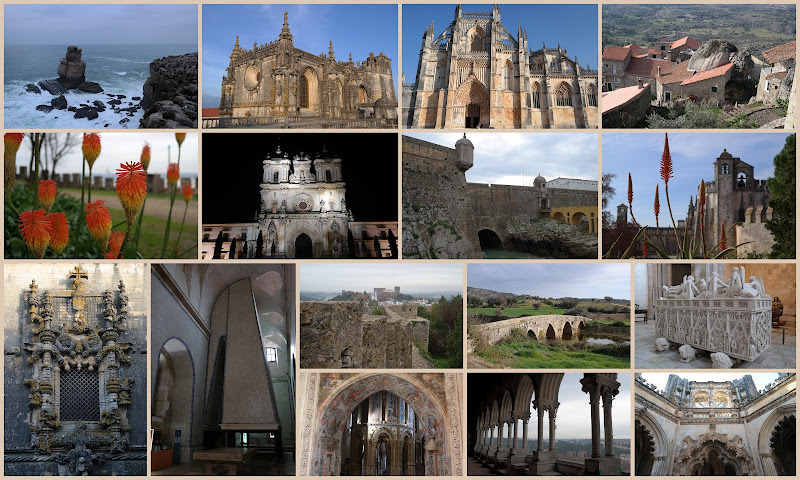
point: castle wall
(326, 330)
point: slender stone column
(525, 419)
(540, 427)
(608, 397)
(552, 411)
(512, 441)
(591, 387)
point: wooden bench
(219, 460)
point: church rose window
(80, 395)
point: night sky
(232, 171)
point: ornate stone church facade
(303, 214)
(477, 74)
(716, 427)
(276, 79)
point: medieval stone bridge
(538, 327)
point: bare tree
(56, 147)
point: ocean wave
(117, 59)
(121, 73)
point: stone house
(775, 79)
(476, 74)
(623, 68)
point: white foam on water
(21, 114)
(121, 73)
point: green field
(518, 311)
(152, 236)
(539, 355)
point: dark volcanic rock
(170, 93)
(86, 112)
(114, 102)
(32, 88)
(59, 103)
(73, 109)
(71, 69)
(136, 98)
(53, 87)
(44, 108)
(90, 87)
(101, 107)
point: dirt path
(154, 207)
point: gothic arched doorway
(303, 247)
(782, 444)
(473, 116)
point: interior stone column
(593, 389)
(512, 437)
(540, 427)
(525, 419)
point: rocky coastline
(169, 97)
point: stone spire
(285, 34)
(236, 49)
(330, 50)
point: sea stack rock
(71, 69)
(170, 93)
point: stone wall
(327, 329)
(629, 114)
(754, 231)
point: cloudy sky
(410, 277)
(544, 23)
(660, 379)
(517, 158)
(51, 24)
(693, 157)
(117, 148)
(356, 29)
(579, 280)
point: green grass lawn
(152, 236)
(539, 355)
(113, 192)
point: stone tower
(622, 214)
(464, 151)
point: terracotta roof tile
(615, 53)
(646, 67)
(714, 72)
(615, 98)
(675, 74)
(210, 112)
(780, 75)
(781, 52)
(685, 41)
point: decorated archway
(471, 107)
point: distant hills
(485, 294)
(306, 296)
(750, 26)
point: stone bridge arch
(539, 326)
(574, 215)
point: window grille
(536, 103)
(272, 354)
(80, 390)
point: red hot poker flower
(666, 162)
(656, 204)
(59, 232)
(131, 188)
(145, 158)
(47, 193)
(173, 173)
(35, 229)
(91, 147)
(98, 219)
(630, 190)
(723, 242)
(12, 143)
(114, 244)
(187, 193)
(180, 137)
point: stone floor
(262, 465)
(777, 355)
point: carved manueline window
(303, 87)
(591, 96)
(535, 94)
(79, 395)
(564, 96)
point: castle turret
(464, 151)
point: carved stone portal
(76, 360)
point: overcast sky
(517, 158)
(121, 147)
(410, 277)
(693, 157)
(556, 280)
(356, 29)
(54, 24)
(660, 379)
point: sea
(119, 69)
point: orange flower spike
(112, 256)
(173, 173)
(145, 158)
(630, 190)
(98, 219)
(59, 231)
(131, 188)
(187, 193)
(47, 193)
(666, 162)
(35, 229)
(91, 147)
(180, 137)
(114, 244)
(12, 143)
